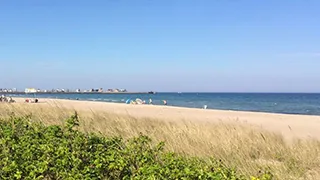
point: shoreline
(168, 106)
(123, 102)
(289, 125)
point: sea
(285, 103)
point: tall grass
(247, 148)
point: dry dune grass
(247, 148)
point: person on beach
(10, 100)
(5, 99)
(164, 102)
(150, 101)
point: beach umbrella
(128, 101)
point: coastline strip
(289, 125)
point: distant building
(122, 90)
(30, 90)
(78, 90)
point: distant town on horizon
(60, 90)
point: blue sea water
(287, 103)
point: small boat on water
(151, 92)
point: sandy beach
(301, 126)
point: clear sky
(161, 45)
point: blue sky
(181, 45)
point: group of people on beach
(4, 98)
(9, 99)
(32, 100)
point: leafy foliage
(30, 150)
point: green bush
(30, 150)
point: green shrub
(31, 150)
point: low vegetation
(33, 151)
(192, 150)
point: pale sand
(301, 126)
